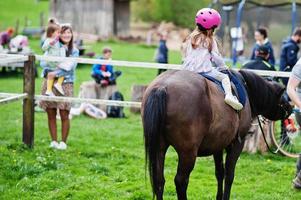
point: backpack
(115, 111)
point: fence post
(28, 103)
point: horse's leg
(160, 169)
(185, 166)
(233, 153)
(219, 174)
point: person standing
(288, 59)
(289, 52)
(294, 92)
(261, 37)
(162, 51)
(66, 38)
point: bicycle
(289, 145)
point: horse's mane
(260, 92)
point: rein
(259, 122)
(265, 140)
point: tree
(177, 11)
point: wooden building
(101, 17)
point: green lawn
(13, 10)
(105, 158)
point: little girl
(53, 47)
(201, 53)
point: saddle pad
(239, 89)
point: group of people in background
(263, 58)
(10, 42)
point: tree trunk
(254, 140)
(90, 89)
(137, 94)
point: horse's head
(280, 106)
(266, 97)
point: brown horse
(184, 110)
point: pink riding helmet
(208, 18)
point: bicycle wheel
(289, 145)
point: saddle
(236, 82)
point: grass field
(13, 10)
(105, 159)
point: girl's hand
(57, 38)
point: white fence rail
(130, 64)
(12, 97)
(12, 59)
(87, 100)
(111, 62)
(15, 96)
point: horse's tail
(154, 115)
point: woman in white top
(201, 53)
